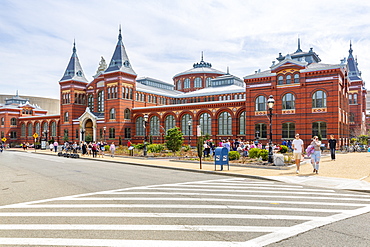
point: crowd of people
(94, 149)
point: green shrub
(139, 146)
(254, 153)
(283, 149)
(155, 148)
(106, 148)
(264, 154)
(234, 155)
(186, 148)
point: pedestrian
(289, 144)
(84, 148)
(315, 157)
(94, 149)
(297, 145)
(332, 145)
(212, 147)
(55, 146)
(51, 147)
(226, 144)
(112, 149)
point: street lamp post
(189, 126)
(82, 134)
(257, 135)
(270, 104)
(146, 117)
(105, 129)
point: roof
(201, 68)
(159, 91)
(120, 61)
(74, 70)
(354, 73)
(187, 104)
(215, 90)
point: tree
(174, 139)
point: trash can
(278, 159)
(221, 157)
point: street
(48, 200)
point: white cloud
(165, 37)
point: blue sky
(166, 37)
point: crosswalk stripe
(178, 206)
(100, 227)
(157, 215)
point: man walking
(332, 145)
(297, 145)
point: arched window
(108, 94)
(154, 126)
(288, 79)
(169, 122)
(280, 80)
(288, 101)
(131, 93)
(198, 82)
(208, 82)
(262, 130)
(355, 98)
(45, 126)
(319, 129)
(187, 83)
(261, 103)
(66, 117)
(13, 121)
(224, 123)
(37, 128)
(23, 129)
(29, 130)
(242, 123)
(90, 102)
(127, 114)
(2, 121)
(288, 130)
(319, 99)
(53, 129)
(351, 117)
(179, 85)
(112, 114)
(140, 126)
(296, 78)
(350, 101)
(184, 124)
(101, 101)
(205, 123)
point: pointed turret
(354, 73)
(120, 61)
(299, 46)
(74, 70)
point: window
(178, 85)
(45, 126)
(154, 126)
(169, 122)
(205, 123)
(184, 124)
(208, 82)
(77, 134)
(224, 123)
(23, 130)
(288, 130)
(242, 124)
(288, 79)
(280, 80)
(319, 129)
(112, 114)
(65, 138)
(101, 101)
(187, 83)
(127, 133)
(53, 129)
(29, 130)
(112, 133)
(66, 117)
(37, 128)
(261, 103)
(351, 117)
(2, 121)
(319, 99)
(90, 102)
(13, 134)
(262, 129)
(140, 126)
(127, 114)
(350, 101)
(288, 101)
(296, 78)
(198, 82)
(355, 98)
(13, 121)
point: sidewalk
(350, 171)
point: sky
(166, 37)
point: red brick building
(311, 98)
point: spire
(17, 95)
(120, 61)
(350, 47)
(354, 73)
(202, 58)
(227, 72)
(299, 46)
(74, 70)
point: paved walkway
(350, 171)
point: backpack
(309, 150)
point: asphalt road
(48, 200)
